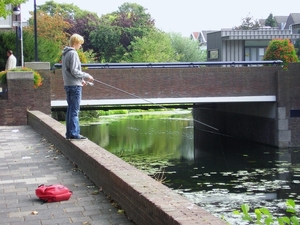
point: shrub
(37, 79)
(281, 49)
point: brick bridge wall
(288, 99)
(175, 82)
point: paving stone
(28, 160)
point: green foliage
(50, 27)
(88, 115)
(67, 10)
(154, 47)
(248, 23)
(281, 49)
(133, 15)
(74, 20)
(112, 39)
(4, 10)
(106, 40)
(47, 49)
(90, 56)
(263, 215)
(37, 79)
(270, 21)
(187, 49)
(8, 42)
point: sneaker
(80, 137)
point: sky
(187, 16)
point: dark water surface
(219, 175)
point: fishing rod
(146, 100)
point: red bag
(53, 193)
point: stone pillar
(20, 97)
(283, 132)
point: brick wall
(21, 96)
(175, 82)
(289, 99)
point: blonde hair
(76, 39)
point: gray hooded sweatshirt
(71, 68)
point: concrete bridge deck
(270, 98)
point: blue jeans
(74, 94)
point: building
(247, 45)
(201, 37)
(293, 23)
(243, 45)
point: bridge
(156, 84)
(239, 99)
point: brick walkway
(26, 161)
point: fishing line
(146, 100)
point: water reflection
(209, 169)
(165, 136)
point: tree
(4, 10)
(270, 21)
(106, 42)
(50, 27)
(248, 24)
(281, 49)
(154, 47)
(187, 49)
(66, 10)
(117, 30)
(84, 25)
(7, 40)
(48, 50)
(80, 21)
(133, 15)
(133, 20)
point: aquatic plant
(160, 176)
(263, 215)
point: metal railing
(173, 64)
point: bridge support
(261, 122)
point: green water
(139, 137)
(219, 176)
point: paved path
(26, 161)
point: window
(213, 54)
(254, 53)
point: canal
(219, 175)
